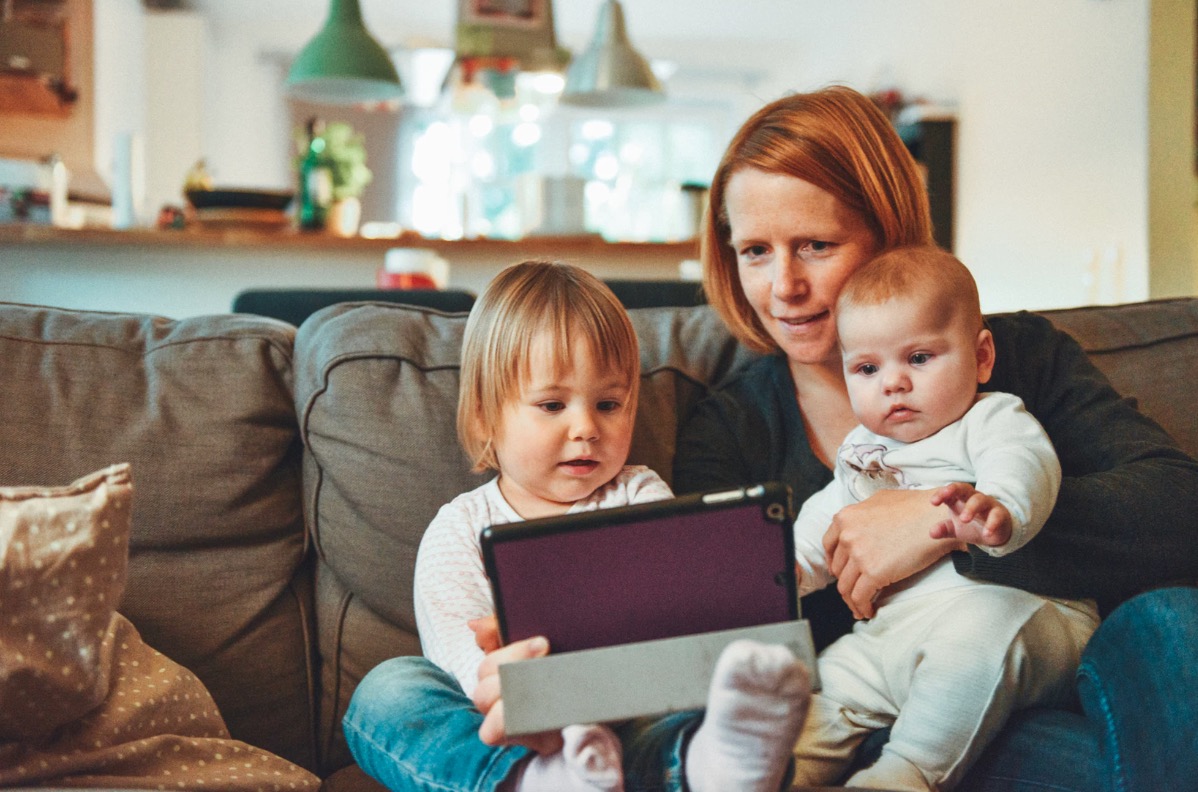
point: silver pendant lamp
(610, 73)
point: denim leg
(1139, 682)
(1040, 750)
(410, 727)
(655, 750)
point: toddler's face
(565, 435)
(909, 371)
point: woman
(811, 187)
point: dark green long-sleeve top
(1126, 518)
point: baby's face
(910, 372)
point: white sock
(591, 760)
(755, 710)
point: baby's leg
(755, 708)
(985, 652)
(590, 761)
(853, 702)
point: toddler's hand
(976, 517)
(486, 633)
(489, 698)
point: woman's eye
(919, 358)
(819, 246)
(753, 251)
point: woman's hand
(488, 697)
(882, 540)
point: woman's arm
(1126, 518)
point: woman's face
(795, 246)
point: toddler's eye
(608, 405)
(552, 406)
(919, 358)
(868, 369)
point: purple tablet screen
(618, 582)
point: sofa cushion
(201, 409)
(1148, 351)
(376, 393)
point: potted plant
(337, 147)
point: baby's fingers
(954, 494)
(945, 529)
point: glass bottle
(315, 180)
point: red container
(405, 280)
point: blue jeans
(408, 696)
(1138, 685)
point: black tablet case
(694, 564)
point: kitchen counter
(189, 272)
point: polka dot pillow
(63, 555)
(84, 702)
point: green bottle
(315, 180)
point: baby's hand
(976, 517)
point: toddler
(549, 383)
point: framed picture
(519, 14)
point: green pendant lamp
(611, 73)
(343, 64)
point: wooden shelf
(546, 246)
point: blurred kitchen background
(1072, 150)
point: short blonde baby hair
(920, 271)
(520, 304)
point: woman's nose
(789, 281)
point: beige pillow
(63, 554)
(84, 702)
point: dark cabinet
(932, 142)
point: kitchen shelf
(543, 246)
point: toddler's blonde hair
(522, 303)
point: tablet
(694, 564)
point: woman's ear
(985, 355)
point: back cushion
(202, 410)
(377, 392)
(1148, 351)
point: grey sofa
(283, 479)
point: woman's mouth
(800, 322)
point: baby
(946, 659)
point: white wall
(174, 56)
(121, 111)
(1052, 101)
